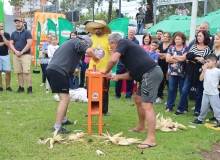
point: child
(211, 76)
(51, 49)
(152, 52)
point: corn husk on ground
(55, 138)
(167, 125)
(123, 141)
(76, 137)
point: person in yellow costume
(101, 48)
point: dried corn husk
(55, 138)
(99, 152)
(167, 125)
(77, 136)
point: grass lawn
(25, 118)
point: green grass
(25, 118)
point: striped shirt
(202, 53)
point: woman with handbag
(176, 56)
(195, 59)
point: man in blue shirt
(20, 44)
(122, 70)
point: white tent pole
(193, 20)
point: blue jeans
(140, 28)
(183, 103)
(174, 82)
(74, 81)
(84, 66)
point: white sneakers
(158, 100)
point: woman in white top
(51, 49)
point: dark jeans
(74, 81)
(164, 68)
(84, 66)
(183, 103)
(174, 82)
(43, 68)
(105, 101)
(129, 84)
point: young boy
(51, 49)
(152, 52)
(211, 76)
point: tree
(109, 11)
(18, 3)
(66, 6)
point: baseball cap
(18, 19)
(87, 39)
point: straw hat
(97, 24)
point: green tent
(173, 24)
(214, 20)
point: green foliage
(66, 6)
(18, 3)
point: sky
(129, 8)
(7, 7)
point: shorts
(149, 85)
(5, 64)
(148, 25)
(59, 83)
(22, 64)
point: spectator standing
(206, 27)
(176, 55)
(20, 44)
(182, 10)
(146, 41)
(51, 49)
(44, 59)
(4, 58)
(159, 35)
(152, 52)
(65, 59)
(195, 59)
(162, 52)
(117, 15)
(102, 49)
(149, 17)
(25, 24)
(121, 69)
(140, 21)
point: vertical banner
(51, 27)
(120, 26)
(65, 28)
(38, 42)
(2, 13)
